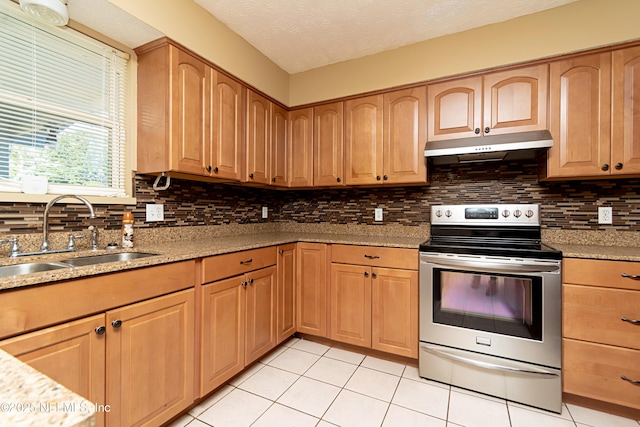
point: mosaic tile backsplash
(570, 205)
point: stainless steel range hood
(492, 148)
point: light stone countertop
(613, 253)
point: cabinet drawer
(222, 266)
(595, 371)
(601, 273)
(594, 314)
(375, 256)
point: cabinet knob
(618, 166)
(209, 168)
(338, 179)
(251, 175)
(605, 167)
(385, 177)
(215, 169)
(100, 330)
(477, 131)
(116, 323)
(374, 275)
(280, 251)
(243, 284)
(378, 177)
(273, 180)
(366, 274)
(251, 281)
(487, 129)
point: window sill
(46, 198)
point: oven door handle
(490, 366)
(491, 266)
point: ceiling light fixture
(48, 11)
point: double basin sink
(36, 267)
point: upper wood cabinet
(625, 143)
(300, 148)
(496, 103)
(189, 115)
(279, 172)
(258, 138)
(328, 145)
(385, 137)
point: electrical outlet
(155, 212)
(378, 214)
(265, 212)
(605, 215)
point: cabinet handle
(273, 180)
(634, 382)
(628, 276)
(632, 321)
(116, 323)
(243, 284)
(374, 275)
(605, 167)
(215, 169)
(100, 330)
(618, 166)
(251, 175)
(338, 179)
(249, 261)
(251, 281)
(371, 256)
(378, 178)
(366, 274)
(385, 177)
(209, 168)
(477, 131)
(487, 129)
(280, 251)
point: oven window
(502, 304)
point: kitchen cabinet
(79, 344)
(279, 152)
(286, 292)
(312, 279)
(496, 103)
(258, 138)
(189, 115)
(374, 298)
(600, 343)
(625, 131)
(238, 313)
(300, 151)
(328, 145)
(363, 140)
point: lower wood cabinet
(112, 359)
(312, 278)
(286, 292)
(375, 307)
(260, 311)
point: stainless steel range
(490, 304)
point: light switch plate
(378, 214)
(155, 212)
(605, 215)
(265, 212)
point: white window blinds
(62, 108)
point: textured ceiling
(299, 35)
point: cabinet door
(286, 298)
(351, 304)
(260, 332)
(394, 311)
(455, 109)
(328, 145)
(279, 146)
(222, 332)
(405, 133)
(625, 144)
(258, 138)
(311, 288)
(580, 117)
(300, 153)
(516, 100)
(71, 354)
(363, 140)
(190, 151)
(227, 135)
(150, 360)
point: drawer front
(375, 256)
(601, 273)
(227, 265)
(595, 314)
(595, 371)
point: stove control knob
(448, 213)
(505, 213)
(517, 213)
(529, 213)
(438, 213)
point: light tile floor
(303, 383)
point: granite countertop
(613, 253)
(29, 398)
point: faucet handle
(71, 246)
(15, 247)
(94, 237)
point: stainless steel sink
(101, 259)
(31, 267)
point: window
(62, 108)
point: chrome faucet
(45, 224)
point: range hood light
(48, 11)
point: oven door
(505, 307)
